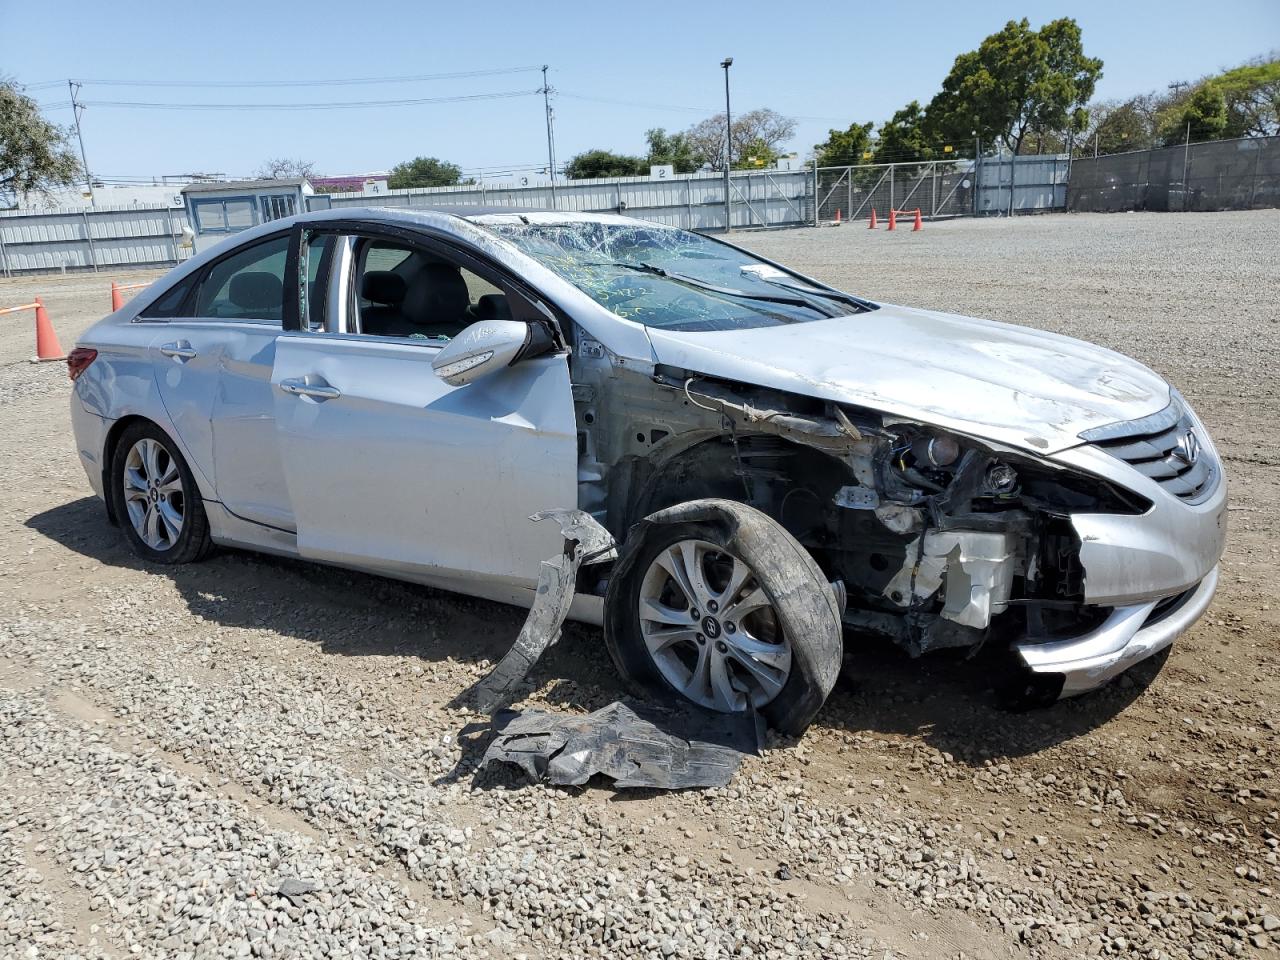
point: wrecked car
(776, 467)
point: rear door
(213, 369)
(390, 468)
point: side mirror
(480, 349)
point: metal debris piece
(643, 746)
(585, 541)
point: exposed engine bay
(936, 539)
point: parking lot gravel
(257, 757)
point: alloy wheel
(711, 629)
(153, 494)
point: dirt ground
(298, 714)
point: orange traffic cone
(117, 300)
(919, 221)
(838, 218)
(872, 224)
(893, 219)
(47, 346)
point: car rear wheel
(156, 498)
(716, 603)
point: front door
(389, 468)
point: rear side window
(248, 285)
(169, 304)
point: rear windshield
(672, 279)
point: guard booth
(216, 210)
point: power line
(327, 82)
(331, 105)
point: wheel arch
(109, 451)
(745, 469)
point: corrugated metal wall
(1039, 183)
(94, 239)
(694, 201)
(90, 239)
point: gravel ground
(254, 757)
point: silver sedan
(780, 463)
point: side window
(169, 304)
(401, 290)
(248, 285)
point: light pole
(727, 62)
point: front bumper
(1130, 634)
(1157, 572)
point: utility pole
(1177, 86)
(727, 62)
(76, 110)
(551, 136)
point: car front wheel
(715, 602)
(156, 498)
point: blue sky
(829, 63)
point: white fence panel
(692, 201)
(148, 236)
(91, 239)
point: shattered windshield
(673, 279)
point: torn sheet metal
(585, 541)
(642, 746)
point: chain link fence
(940, 188)
(1220, 175)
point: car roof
(475, 214)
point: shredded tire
(803, 601)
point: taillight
(78, 361)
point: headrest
(436, 294)
(257, 291)
(493, 306)
(384, 287)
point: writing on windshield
(673, 279)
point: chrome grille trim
(1150, 446)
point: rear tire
(156, 498)
(767, 633)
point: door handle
(319, 389)
(180, 350)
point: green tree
(1017, 82)
(424, 172)
(35, 155)
(1203, 116)
(1252, 95)
(672, 148)
(755, 154)
(904, 137)
(592, 164)
(845, 147)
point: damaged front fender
(585, 542)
